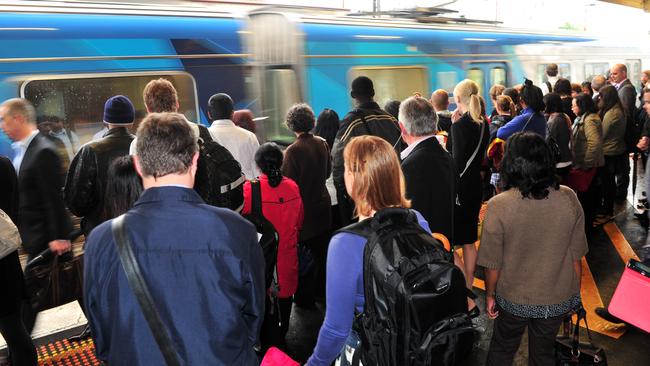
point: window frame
(46, 77)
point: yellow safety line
(622, 246)
(591, 300)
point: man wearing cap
(366, 119)
(84, 185)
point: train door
(275, 47)
(486, 74)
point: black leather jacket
(84, 184)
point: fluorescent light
(29, 29)
(363, 36)
(480, 39)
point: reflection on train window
(281, 91)
(476, 75)
(595, 68)
(564, 72)
(78, 101)
(498, 76)
(447, 80)
(394, 82)
(634, 72)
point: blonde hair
(505, 104)
(467, 92)
(378, 179)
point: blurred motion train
(68, 57)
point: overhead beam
(639, 4)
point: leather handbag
(141, 291)
(569, 351)
(9, 235)
(56, 282)
(580, 179)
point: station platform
(613, 244)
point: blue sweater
(537, 124)
(344, 294)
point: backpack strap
(549, 86)
(359, 112)
(256, 199)
(141, 291)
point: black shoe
(603, 313)
(85, 333)
(474, 313)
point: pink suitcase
(275, 357)
(631, 300)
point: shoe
(603, 313)
(474, 313)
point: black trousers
(19, 342)
(621, 168)
(607, 175)
(276, 323)
(312, 285)
(508, 330)
(589, 202)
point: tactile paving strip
(64, 353)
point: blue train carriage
(313, 58)
(68, 61)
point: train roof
(361, 24)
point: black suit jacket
(431, 185)
(627, 94)
(41, 214)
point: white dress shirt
(241, 143)
(406, 152)
(20, 147)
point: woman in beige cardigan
(532, 271)
(611, 112)
(587, 153)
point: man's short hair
(362, 87)
(166, 144)
(220, 106)
(647, 73)
(160, 96)
(20, 107)
(598, 82)
(620, 68)
(300, 118)
(440, 99)
(551, 69)
(418, 117)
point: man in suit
(43, 221)
(203, 265)
(627, 94)
(429, 170)
(87, 176)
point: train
(68, 57)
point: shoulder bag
(141, 291)
(9, 235)
(478, 147)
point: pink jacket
(282, 206)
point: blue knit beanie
(119, 110)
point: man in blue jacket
(203, 265)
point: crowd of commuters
(414, 153)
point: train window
(563, 72)
(394, 82)
(447, 80)
(281, 91)
(478, 77)
(79, 100)
(498, 76)
(595, 68)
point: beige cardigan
(534, 244)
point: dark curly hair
(528, 165)
(532, 96)
(562, 87)
(269, 159)
(300, 118)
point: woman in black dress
(12, 288)
(469, 140)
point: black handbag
(570, 351)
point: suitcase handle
(639, 267)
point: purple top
(344, 294)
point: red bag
(631, 299)
(275, 357)
(580, 179)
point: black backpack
(415, 297)
(269, 240)
(219, 179)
